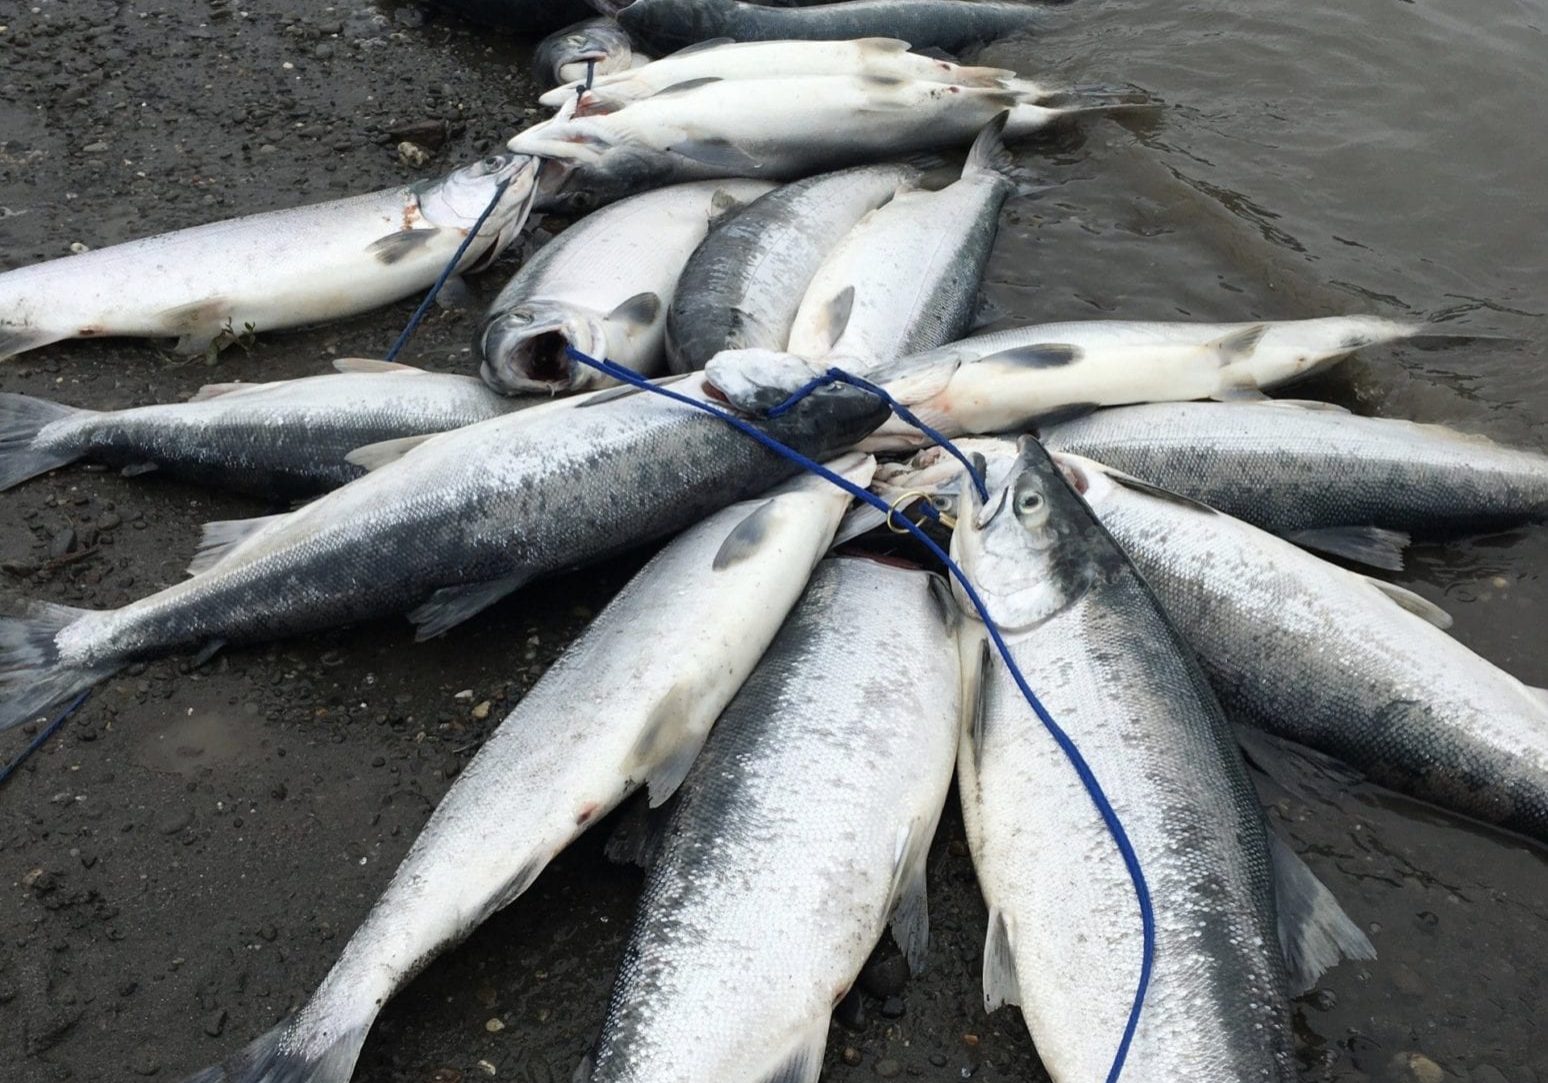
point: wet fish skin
(802, 828)
(1064, 927)
(1006, 380)
(283, 439)
(884, 57)
(776, 129)
(742, 287)
(939, 24)
(602, 286)
(563, 56)
(271, 271)
(1288, 467)
(1326, 658)
(882, 294)
(459, 522)
(627, 705)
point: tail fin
(988, 153)
(15, 340)
(283, 1055)
(22, 417)
(32, 677)
(1427, 338)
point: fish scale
(1321, 656)
(807, 816)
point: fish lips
(525, 349)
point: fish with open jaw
(1356, 487)
(627, 705)
(775, 129)
(882, 294)
(1350, 666)
(211, 284)
(282, 439)
(1005, 380)
(926, 24)
(601, 45)
(445, 526)
(603, 287)
(744, 285)
(1065, 935)
(800, 832)
(882, 57)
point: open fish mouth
(525, 353)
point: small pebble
(481, 711)
(851, 1055)
(887, 1068)
(412, 154)
(494, 1026)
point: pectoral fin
(803, 1062)
(377, 455)
(911, 912)
(720, 154)
(396, 247)
(667, 745)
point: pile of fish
(1137, 522)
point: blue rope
(839, 376)
(1066, 745)
(42, 738)
(446, 273)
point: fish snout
(527, 352)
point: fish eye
(1028, 502)
(493, 162)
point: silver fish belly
(1319, 655)
(627, 705)
(1065, 936)
(801, 830)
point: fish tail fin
(1103, 97)
(15, 340)
(1426, 337)
(33, 678)
(22, 418)
(1314, 931)
(988, 153)
(290, 1054)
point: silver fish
(603, 287)
(939, 24)
(1354, 486)
(214, 283)
(743, 286)
(627, 705)
(449, 526)
(801, 830)
(287, 438)
(586, 50)
(1350, 666)
(776, 129)
(886, 58)
(1004, 380)
(882, 294)
(1064, 938)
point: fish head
(756, 381)
(525, 348)
(598, 42)
(938, 476)
(459, 199)
(826, 419)
(1032, 547)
